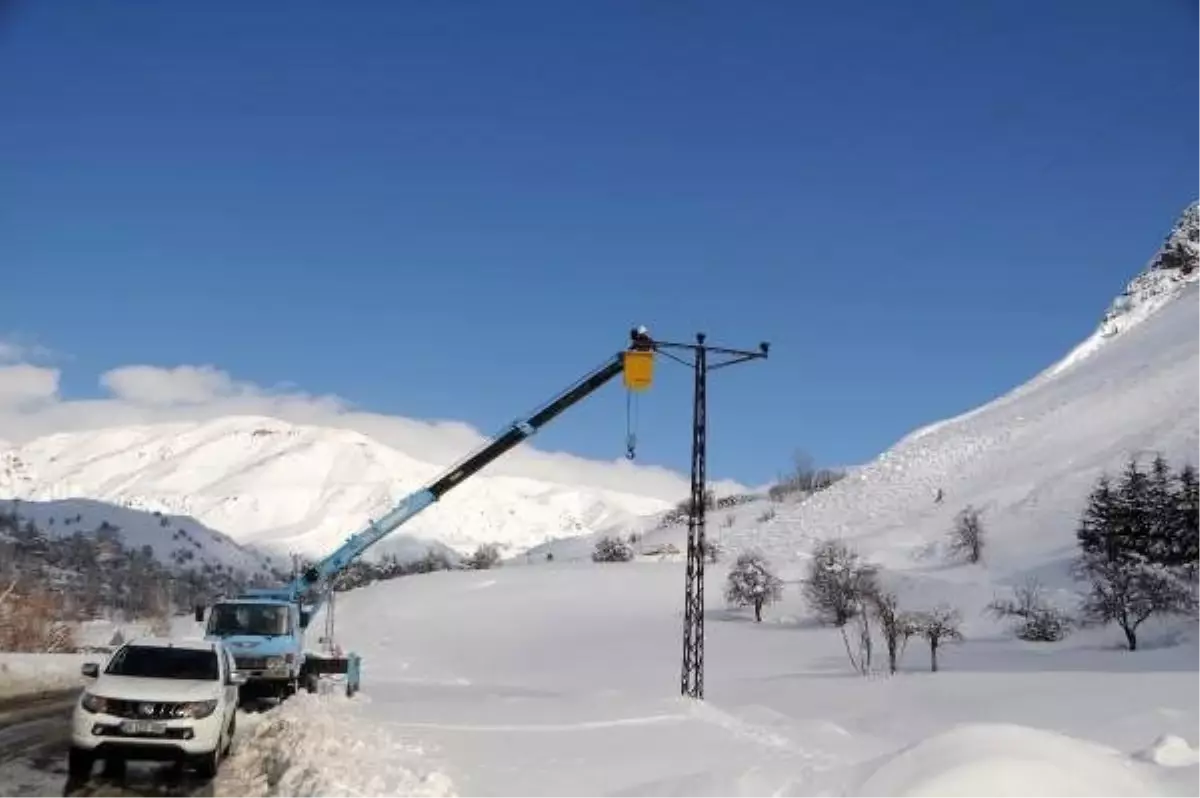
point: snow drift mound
(324, 745)
(1003, 759)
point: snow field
(563, 679)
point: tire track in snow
(586, 725)
(702, 713)
(761, 735)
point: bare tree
(937, 625)
(32, 621)
(966, 537)
(752, 584)
(804, 477)
(612, 549)
(1129, 594)
(860, 661)
(897, 626)
(836, 587)
(487, 555)
(838, 580)
(1035, 619)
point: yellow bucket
(639, 370)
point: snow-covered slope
(1027, 459)
(301, 488)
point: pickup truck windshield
(268, 620)
(154, 662)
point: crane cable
(631, 408)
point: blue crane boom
(318, 576)
(265, 626)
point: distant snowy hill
(174, 540)
(289, 487)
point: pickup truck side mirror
(90, 670)
(199, 613)
(237, 678)
(303, 619)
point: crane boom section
(522, 429)
(417, 501)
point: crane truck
(265, 627)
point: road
(34, 737)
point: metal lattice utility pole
(692, 677)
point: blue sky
(451, 210)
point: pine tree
(1099, 517)
(1135, 513)
(1119, 537)
(1163, 520)
(1187, 522)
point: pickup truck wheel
(229, 740)
(206, 765)
(79, 763)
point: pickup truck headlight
(197, 709)
(94, 703)
(276, 664)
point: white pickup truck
(157, 698)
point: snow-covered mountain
(289, 487)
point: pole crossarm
(692, 677)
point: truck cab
(265, 634)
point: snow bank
(29, 674)
(324, 745)
(1007, 759)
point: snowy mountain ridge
(1167, 274)
(291, 487)
(1164, 278)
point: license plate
(143, 727)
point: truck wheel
(229, 740)
(206, 765)
(79, 763)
